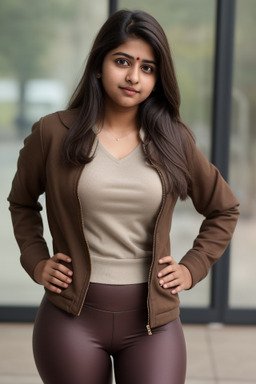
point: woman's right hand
(52, 274)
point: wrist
(38, 271)
(188, 276)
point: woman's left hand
(175, 275)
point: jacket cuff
(31, 256)
(197, 268)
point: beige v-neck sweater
(120, 200)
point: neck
(120, 119)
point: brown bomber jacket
(41, 169)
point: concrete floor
(216, 354)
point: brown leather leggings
(112, 326)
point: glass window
(243, 158)
(43, 46)
(189, 26)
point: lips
(129, 90)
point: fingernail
(159, 274)
(161, 282)
(165, 285)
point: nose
(132, 75)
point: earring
(98, 75)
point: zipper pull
(149, 330)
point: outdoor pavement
(217, 354)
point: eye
(122, 62)
(147, 69)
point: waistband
(117, 298)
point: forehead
(137, 48)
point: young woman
(112, 167)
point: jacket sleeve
(213, 198)
(28, 184)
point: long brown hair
(158, 114)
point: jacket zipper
(85, 239)
(148, 326)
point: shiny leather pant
(111, 327)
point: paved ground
(216, 354)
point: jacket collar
(68, 116)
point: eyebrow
(132, 58)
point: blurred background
(43, 49)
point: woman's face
(129, 74)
